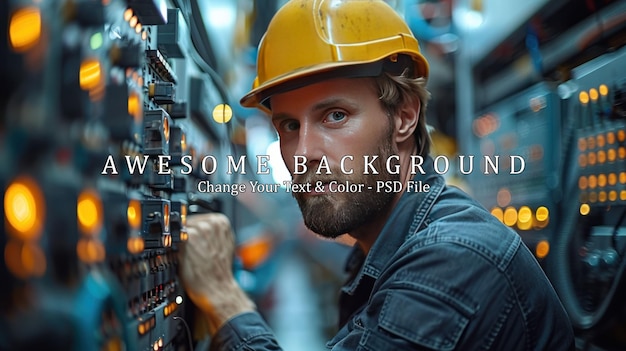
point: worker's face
(333, 119)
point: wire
(188, 331)
(616, 232)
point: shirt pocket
(423, 319)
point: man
(344, 81)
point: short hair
(396, 90)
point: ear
(406, 121)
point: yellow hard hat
(312, 40)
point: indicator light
(510, 216)
(24, 208)
(222, 113)
(25, 28)
(603, 89)
(583, 97)
(90, 75)
(593, 94)
(89, 212)
(542, 249)
(134, 214)
(584, 209)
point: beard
(334, 214)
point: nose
(310, 142)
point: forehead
(316, 95)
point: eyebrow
(322, 105)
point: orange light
(166, 217)
(89, 212)
(622, 195)
(510, 216)
(621, 135)
(601, 156)
(612, 179)
(584, 209)
(166, 240)
(166, 129)
(524, 218)
(135, 106)
(90, 75)
(133, 21)
(542, 249)
(24, 208)
(183, 235)
(542, 214)
(144, 35)
(604, 90)
(602, 196)
(134, 214)
(90, 250)
(114, 344)
(138, 28)
(583, 97)
(524, 215)
(135, 245)
(602, 180)
(183, 215)
(141, 329)
(600, 140)
(24, 259)
(591, 158)
(498, 213)
(610, 137)
(611, 155)
(593, 181)
(183, 142)
(622, 177)
(621, 152)
(25, 28)
(612, 195)
(255, 251)
(591, 142)
(128, 14)
(582, 183)
(582, 144)
(593, 94)
(582, 160)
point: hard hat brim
(258, 96)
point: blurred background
(90, 247)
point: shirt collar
(397, 229)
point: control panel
(589, 245)
(102, 104)
(518, 140)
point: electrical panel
(96, 124)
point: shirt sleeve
(245, 332)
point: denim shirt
(444, 274)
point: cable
(562, 275)
(188, 331)
(615, 233)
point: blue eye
(335, 116)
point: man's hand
(206, 270)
